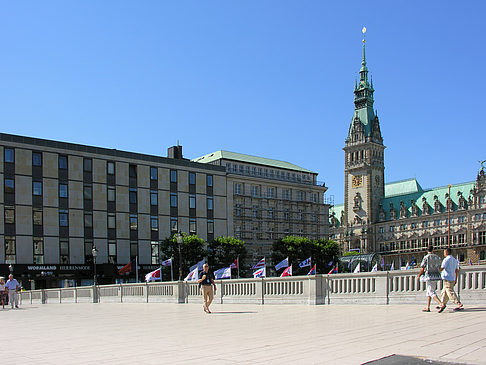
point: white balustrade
(393, 287)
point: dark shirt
(209, 276)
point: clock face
(357, 181)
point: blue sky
(267, 78)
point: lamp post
(94, 252)
(179, 243)
(449, 204)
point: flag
(470, 262)
(260, 273)
(375, 268)
(193, 275)
(305, 263)
(166, 262)
(259, 264)
(313, 270)
(334, 270)
(199, 266)
(234, 265)
(407, 266)
(413, 262)
(128, 268)
(223, 273)
(382, 264)
(287, 272)
(357, 269)
(283, 263)
(392, 267)
(154, 275)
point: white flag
(224, 273)
(199, 265)
(192, 276)
(154, 275)
(375, 268)
(358, 267)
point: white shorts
(431, 288)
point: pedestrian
(430, 275)
(206, 282)
(13, 286)
(450, 273)
(3, 292)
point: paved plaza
(238, 334)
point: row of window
(268, 173)
(435, 223)
(9, 157)
(257, 212)
(271, 192)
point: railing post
(43, 296)
(60, 295)
(147, 290)
(75, 293)
(121, 293)
(181, 293)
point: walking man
(206, 281)
(430, 269)
(450, 273)
(13, 286)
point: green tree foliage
(350, 253)
(224, 250)
(193, 250)
(297, 249)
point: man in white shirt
(13, 286)
(450, 273)
(430, 269)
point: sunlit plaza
(153, 333)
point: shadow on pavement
(407, 360)
(245, 312)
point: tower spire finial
(364, 41)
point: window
(38, 250)
(192, 178)
(382, 229)
(210, 203)
(265, 172)
(392, 228)
(173, 176)
(482, 255)
(301, 195)
(8, 155)
(36, 159)
(88, 192)
(154, 200)
(260, 170)
(413, 225)
(88, 220)
(240, 169)
(111, 194)
(314, 217)
(9, 186)
(133, 249)
(9, 214)
(301, 216)
(154, 223)
(112, 252)
(64, 251)
(154, 252)
(238, 210)
(255, 211)
(63, 162)
(37, 188)
(133, 222)
(271, 192)
(286, 194)
(110, 168)
(37, 217)
(238, 189)
(10, 256)
(153, 173)
(209, 180)
(270, 213)
(132, 171)
(88, 165)
(133, 196)
(254, 190)
(63, 218)
(210, 227)
(403, 227)
(425, 224)
(482, 237)
(436, 222)
(173, 200)
(228, 167)
(315, 197)
(173, 224)
(192, 202)
(286, 214)
(63, 190)
(247, 170)
(192, 226)
(111, 221)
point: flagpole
(136, 269)
(238, 265)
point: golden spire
(363, 31)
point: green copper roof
(401, 187)
(226, 155)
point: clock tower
(364, 167)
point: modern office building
(400, 219)
(271, 199)
(61, 199)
